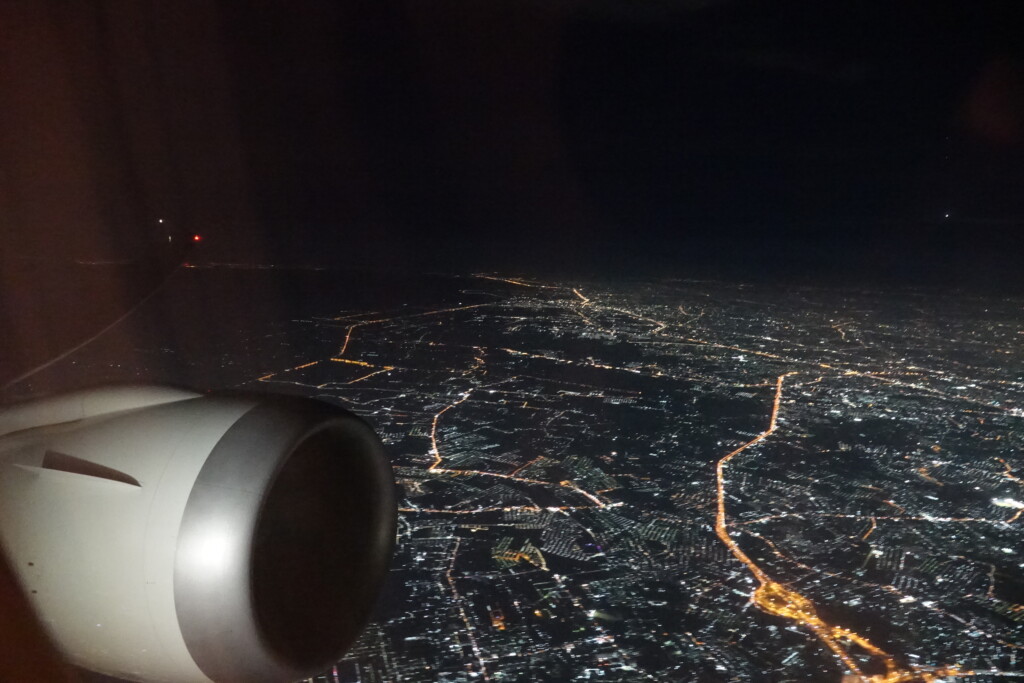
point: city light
(663, 479)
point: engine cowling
(171, 536)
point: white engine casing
(164, 535)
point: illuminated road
(436, 465)
(1008, 472)
(434, 450)
(775, 598)
(457, 599)
(363, 323)
(637, 352)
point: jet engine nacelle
(171, 536)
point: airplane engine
(171, 536)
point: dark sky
(776, 139)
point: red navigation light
(197, 238)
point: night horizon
(885, 143)
(687, 334)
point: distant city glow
(677, 478)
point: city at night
(690, 334)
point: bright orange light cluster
(775, 598)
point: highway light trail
(364, 323)
(661, 325)
(434, 450)
(1008, 472)
(896, 518)
(503, 508)
(462, 612)
(435, 466)
(337, 357)
(513, 281)
(386, 368)
(538, 387)
(923, 472)
(775, 598)
(871, 530)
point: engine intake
(166, 535)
